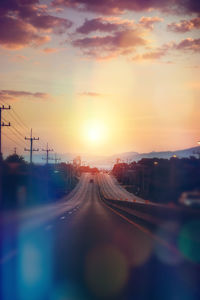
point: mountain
(135, 156)
(108, 161)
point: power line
(15, 116)
(18, 123)
(19, 133)
(13, 130)
(12, 140)
(20, 120)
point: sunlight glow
(94, 132)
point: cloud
(184, 25)
(120, 42)
(50, 50)
(103, 25)
(49, 23)
(120, 6)
(20, 58)
(151, 55)
(189, 44)
(148, 22)
(96, 25)
(26, 23)
(90, 94)
(16, 34)
(11, 95)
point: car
(190, 199)
(91, 180)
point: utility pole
(15, 150)
(31, 150)
(47, 150)
(2, 124)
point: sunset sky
(101, 76)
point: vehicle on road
(191, 199)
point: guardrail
(150, 214)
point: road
(82, 248)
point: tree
(15, 158)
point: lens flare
(106, 271)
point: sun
(94, 132)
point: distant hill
(128, 157)
(167, 154)
(109, 161)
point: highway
(83, 247)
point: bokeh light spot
(168, 233)
(189, 241)
(106, 271)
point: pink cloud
(26, 23)
(188, 44)
(120, 42)
(16, 34)
(50, 50)
(103, 24)
(97, 24)
(148, 22)
(49, 23)
(185, 25)
(11, 95)
(151, 55)
(120, 6)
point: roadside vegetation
(25, 185)
(159, 180)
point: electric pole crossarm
(3, 124)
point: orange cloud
(119, 43)
(152, 55)
(148, 22)
(50, 50)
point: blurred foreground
(95, 244)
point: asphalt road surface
(82, 248)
